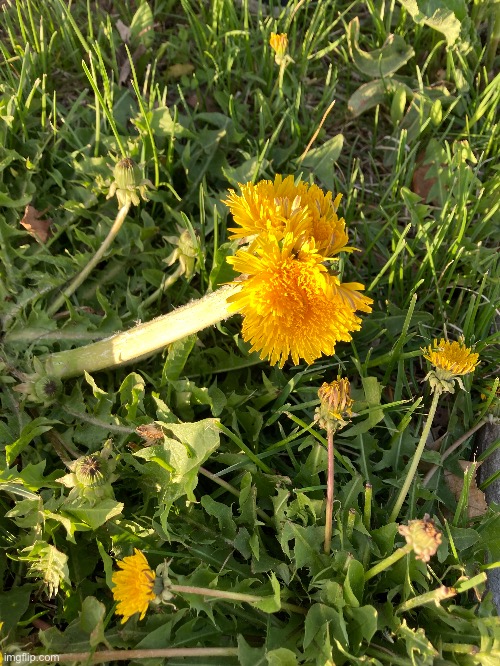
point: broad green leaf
(437, 15)
(142, 27)
(418, 646)
(281, 657)
(380, 62)
(94, 515)
(376, 92)
(373, 391)
(249, 656)
(366, 619)
(223, 513)
(92, 621)
(321, 160)
(13, 604)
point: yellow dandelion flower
(335, 404)
(290, 304)
(451, 360)
(133, 585)
(282, 207)
(279, 44)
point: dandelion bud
(279, 44)
(128, 182)
(91, 471)
(422, 536)
(47, 389)
(335, 404)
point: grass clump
(168, 492)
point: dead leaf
(477, 502)
(180, 69)
(125, 69)
(123, 30)
(421, 184)
(34, 225)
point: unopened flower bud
(335, 404)
(91, 471)
(128, 183)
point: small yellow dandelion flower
(133, 585)
(279, 44)
(451, 360)
(335, 404)
(422, 536)
(290, 304)
(281, 207)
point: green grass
(75, 99)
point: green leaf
(94, 515)
(370, 95)
(47, 563)
(142, 27)
(178, 354)
(13, 605)
(321, 160)
(418, 646)
(439, 18)
(373, 391)
(281, 657)
(92, 621)
(320, 617)
(380, 62)
(270, 604)
(366, 619)
(248, 656)
(33, 429)
(224, 515)
(354, 584)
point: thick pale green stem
(416, 459)
(232, 596)
(143, 340)
(104, 656)
(82, 276)
(388, 562)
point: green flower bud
(398, 105)
(128, 183)
(91, 471)
(47, 389)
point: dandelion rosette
(281, 207)
(422, 536)
(290, 303)
(451, 360)
(335, 408)
(133, 586)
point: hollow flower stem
(82, 276)
(104, 656)
(416, 459)
(143, 340)
(388, 562)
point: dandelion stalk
(329, 493)
(388, 561)
(143, 340)
(104, 656)
(82, 276)
(416, 459)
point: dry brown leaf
(422, 185)
(477, 502)
(123, 30)
(34, 225)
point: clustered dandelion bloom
(422, 536)
(451, 360)
(335, 408)
(292, 304)
(133, 586)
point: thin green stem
(82, 276)
(434, 596)
(329, 493)
(388, 562)
(416, 459)
(234, 491)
